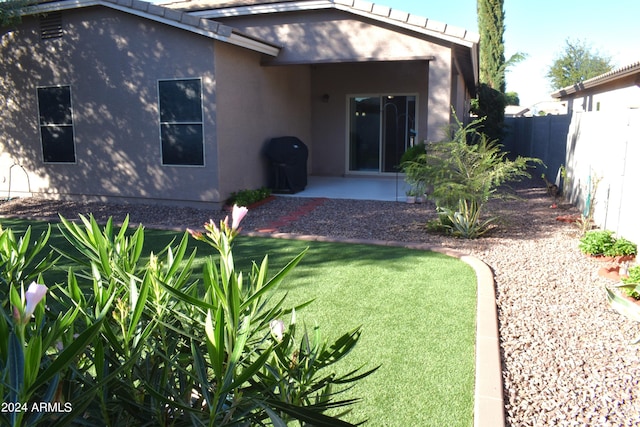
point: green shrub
(631, 287)
(604, 243)
(464, 173)
(248, 197)
(465, 221)
(597, 242)
(631, 283)
(143, 340)
(622, 246)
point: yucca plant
(465, 221)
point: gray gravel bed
(566, 354)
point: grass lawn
(417, 309)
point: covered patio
(382, 188)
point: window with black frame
(56, 124)
(181, 130)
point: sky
(540, 29)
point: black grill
(288, 156)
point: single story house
(618, 89)
(127, 100)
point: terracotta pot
(613, 259)
(611, 272)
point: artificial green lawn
(417, 310)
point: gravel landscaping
(566, 354)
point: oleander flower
(277, 329)
(35, 293)
(237, 215)
(33, 296)
(195, 234)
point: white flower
(34, 295)
(277, 329)
(31, 298)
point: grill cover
(288, 156)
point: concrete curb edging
(489, 402)
(488, 408)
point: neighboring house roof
(174, 18)
(515, 111)
(464, 43)
(623, 76)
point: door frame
(347, 150)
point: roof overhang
(464, 43)
(175, 18)
(603, 79)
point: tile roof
(612, 75)
(220, 8)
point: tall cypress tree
(491, 26)
(491, 100)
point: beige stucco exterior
(263, 76)
(112, 62)
(255, 104)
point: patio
(382, 188)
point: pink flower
(237, 215)
(34, 295)
(195, 234)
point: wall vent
(51, 25)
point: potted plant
(631, 284)
(411, 198)
(627, 302)
(623, 250)
(410, 164)
(603, 245)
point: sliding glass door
(381, 128)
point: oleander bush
(140, 340)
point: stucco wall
(112, 62)
(355, 56)
(332, 36)
(256, 103)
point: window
(181, 131)
(56, 124)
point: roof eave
(598, 80)
(174, 18)
(365, 9)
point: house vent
(51, 25)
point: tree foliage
(512, 98)
(491, 99)
(491, 27)
(10, 11)
(577, 63)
